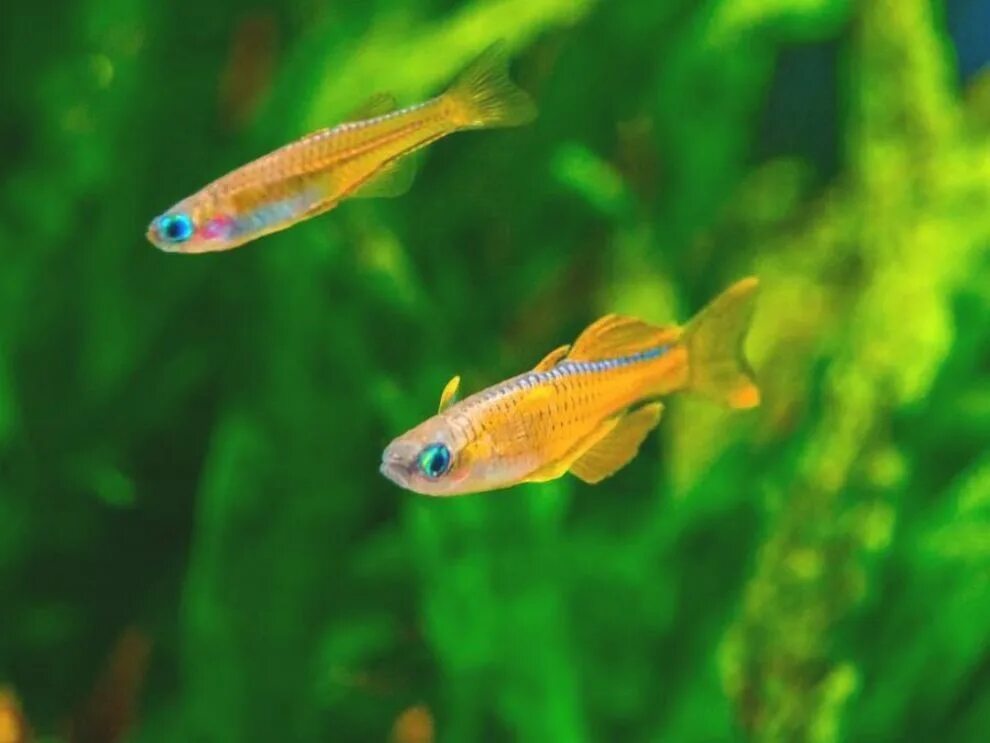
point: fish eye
(175, 228)
(434, 460)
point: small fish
(13, 726)
(355, 159)
(584, 409)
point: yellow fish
(13, 726)
(354, 159)
(584, 409)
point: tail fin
(714, 339)
(484, 95)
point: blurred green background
(195, 542)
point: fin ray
(556, 469)
(553, 358)
(717, 366)
(449, 395)
(393, 179)
(616, 449)
(485, 96)
(378, 105)
(617, 335)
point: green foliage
(189, 445)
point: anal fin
(616, 449)
(393, 179)
(559, 467)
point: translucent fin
(617, 335)
(553, 358)
(619, 447)
(377, 105)
(558, 468)
(714, 339)
(484, 95)
(449, 395)
(392, 180)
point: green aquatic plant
(190, 445)
(904, 254)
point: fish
(585, 409)
(13, 726)
(366, 156)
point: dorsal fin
(553, 358)
(617, 335)
(618, 447)
(449, 395)
(378, 105)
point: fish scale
(569, 385)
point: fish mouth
(395, 472)
(155, 239)
(396, 463)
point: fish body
(584, 409)
(353, 159)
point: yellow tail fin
(484, 95)
(714, 340)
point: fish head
(194, 225)
(437, 458)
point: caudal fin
(714, 340)
(485, 97)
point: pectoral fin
(449, 395)
(553, 358)
(616, 449)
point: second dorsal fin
(618, 335)
(378, 105)
(553, 358)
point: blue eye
(434, 460)
(175, 228)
